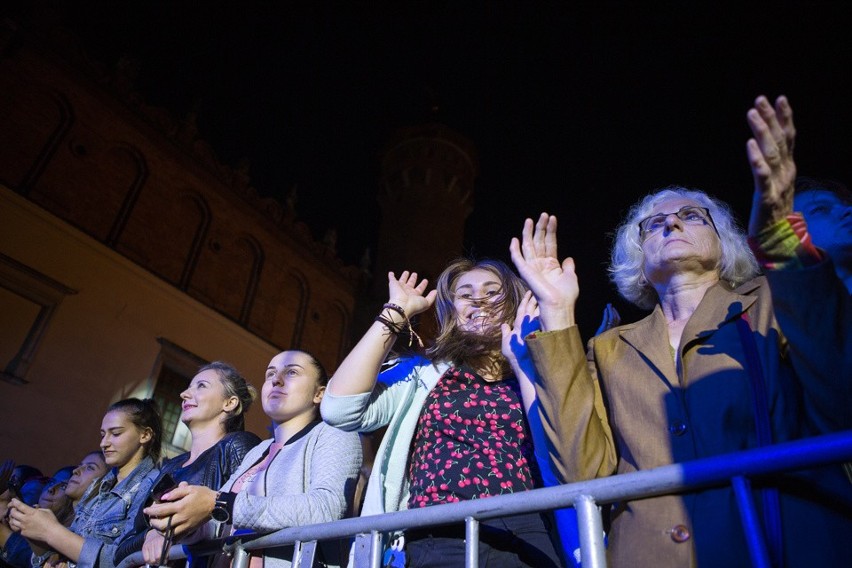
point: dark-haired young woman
(304, 474)
(131, 434)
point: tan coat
(659, 418)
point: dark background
(575, 110)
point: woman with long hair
(457, 424)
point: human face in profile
(122, 442)
(92, 467)
(829, 222)
(204, 399)
(53, 496)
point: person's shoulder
(172, 464)
(241, 439)
(401, 368)
(750, 285)
(325, 430)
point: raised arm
(358, 372)
(554, 284)
(810, 302)
(515, 350)
(571, 412)
(770, 154)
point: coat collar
(719, 305)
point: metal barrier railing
(584, 496)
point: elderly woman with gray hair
(708, 372)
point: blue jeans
(507, 542)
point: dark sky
(575, 110)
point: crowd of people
(747, 344)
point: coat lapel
(720, 305)
(648, 336)
(650, 340)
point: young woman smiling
(213, 408)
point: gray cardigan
(311, 480)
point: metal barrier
(585, 496)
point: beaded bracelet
(401, 327)
(398, 309)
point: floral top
(471, 441)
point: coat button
(678, 427)
(679, 533)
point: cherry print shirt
(471, 441)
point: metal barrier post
(303, 554)
(471, 545)
(590, 527)
(751, 526)
(368, 550)
(241, 556)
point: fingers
(550, 238)
(161, 510)
(528, 240)
(544, 239)
(785, 118)
(516, 255)
(523, 309)
(430, 297)
(540, 234)
(420, 288)
(759, 168)
(770, 117)
(505, 334)
(773, 129)
(763, 138)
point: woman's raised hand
(407, 293)
(554, 284)
(770, 154)
(526, 321)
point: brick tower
(426, 194)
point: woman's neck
(204, 437)
(490, 366)
(680, 295)
(132, 463)
(289, 428)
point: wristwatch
(224, 506)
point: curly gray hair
(737, 264)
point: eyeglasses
(689, 214)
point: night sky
(576, 111)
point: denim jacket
(107, 510)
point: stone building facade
(96, 187)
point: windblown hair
(145, 415)
(737, 263)
(454, 345)
(235, 385)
